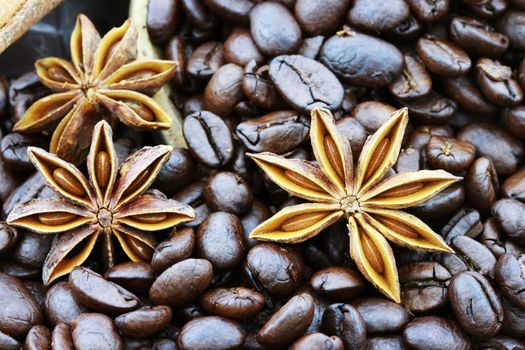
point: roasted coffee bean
(442, 57)
(38, 338)
(444, 203)
(497, 84)
(373, 16)
(38, 291)
(189, 312)
(8, 343)
(477, 38)
(467, 95)
(345, 322)
(176, 248)
(409, 160)
(193, 196)
(211, 332)
(220, 240)
(224, 90)
(487, 9)
(481, 184)
(177, 50)
(466, 222)
(317, 341)
(164, 344)
(494, 142)
(23, 92)
(277, 269)
(424, 286)
(144, 322)
(372, 114)
(512, 24)
(8, 237)
(469, 255)
(501, 342)
(354, 132)
(510, 275)
(305, 83)
(4, 97)
(136, 277)
(31, 249)
(239, 48)
(19, 271)
(447, 153)
(95, 331)
(514, 320)
(209, 139)
(258, 213)
(288, 323)
(338, 283)
(381, 315)
(162, 20)
(514, 186)
(361, 59)
(9, 185)
(414, 81)
(492, 239)
(475, 304)
(316, 18)
(61, 338)
(205, 60)
(386, 342)
(510, 215)
(227, 191)
(435, 333)
(431, 108)
(235, 11)
(182, 282)
(176, 173)
(93, 291)
(13, 149)
(428, 11)
(311, 46)
(514, 120)
(61, 304)
(274, 29)
(259, 89)
(236, 303)
(419, 137)
(408, 30)
(278, 132)
(197, 14)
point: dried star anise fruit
(363, 196)
(111, 203)
(104, 80)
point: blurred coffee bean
(514, 186)
(382, 315)
(95, 331)
(61, 338)
(258, 213)
(512, 24)
(482, 185)
(38, 338)
(487, 9)
(510, 215)
(205, 60)
(514, 120)
(320, 18)
(162, 20)
(144, 322)
(220, 240)
(227, 191)
(8, 187)
(475, 304)
(362, 59)
(197, 14)
(8, 237)
(182, 282)
(510, 275)
(497, 84)
(431, 108)
(31, 249)
(209, 139)
(164, 344)
(372, 114)
(409, 160)
(211, 332)
(469, 255)
(420, 135)
(354, 132)
(467, 95)
(8, 343)
(493, 240)
(235, 11)
(177, 50)
(393, 342)
(372, 15)
(274, 29)
(514, 320)
(444, 203)
(454, 156)
(235, 303)
(317, 341)
(339, 283)
(414, 82)
(442, 57)
(20, 271)
(239, 48)
(136, 277)
(477, 38)
(345, 322)
(176, 173)
(61, 304)
(193, 196)
(408, 30)
(224, 90)
(435, 333)
(93, 291)
(13, 149)
(174, 249)
(466, 222)
(23, 92)
(501, 342)
(38, 291)
(428, 11)
(260, 90)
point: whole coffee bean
(274, 29)
(61, 304)
(205, 60)
(409, 160)
(23, 92)
(176, 248)
(475, 304)
(278, 269)
(447, 153)
(420, 135)
(381, 315)
(176, 173)
(8, 237)
(95, 331)
(497, 84)
(345, 322)
(288, 323)
(255, 216)
(317, 341)
(259, 89)
(514, 120)
(19, 271)
(514, 321)
(372, 15)
(512, 24)
(311, 46)
(442, 57)
(414, 82)
(8, 343)
(467, 95)
(209, 139)
(137, 277)
(494, 142)
(361, 59)
(239, 48)
(13, 149)
(481, 184)
(431, 108)
(227, 191)
(236, 303)
(492, 239)
(514, 186)
(220, 240)
(372, 114)
(61, 338)
(38, 338)
(393, 342)
(189, 312)
(435, 333)
(408, 30)
(444, 203)
(31, 249)
(177, 50)
(339, 283)
(316, 18)
(510, 275)
(236, 11)
(197, 14)
(501, 342)
(144, 322)
(428, 11)
(466, 222)
(98, 294)
(470, 255)
(38, 291)
(278, 132)
(305, 83)
(224, 90)
(164, 344)
(424, 286)
(487, 9)
(477, 38)
(211, 332)
(182, 282)
(354, 131)
(510, 215)
(162, 20)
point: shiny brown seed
(139, 248)
(302, 221)
(377, 157)
(153, 218)
(68, 182)
(372, 253)
(302, 181)
(138, 182)
(102, 168)
(333, 156)
(142, 111)
(403, 190)
(59, 74)
(399, 227)
(56, 218)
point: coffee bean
(205, 60)
(177, 50)
(13, 149)
(227, 191)
(338, 283)
(197, 14)
(433, 333)
(512, 24)
(182, 282)
(38, 338)
(492, 238)
(144, 322)
(176, 248)
(381, 315)
(258, 213)
(514, 186)
(408, 30)
(501, 342)
(224, 90)
(444, 203)
(476, 37)
(137, 277)
(470, 255)
(372, 15)
(211, 332)
(362, 59)
(176, 173)
(317, 341)
(514, 120)
(428, 11)
(466, 222)
(497, 84)
(345, 322)
(239, 48)
(409, 160)
(414, 82)
(510, 215)
(95, 331)
(372, 114)
(23, 92)
(236, 11)
(61, 338)
(162, 20)
(61, 304)
(236, 303)
(259, 89)
(447, 153)
(467, 95)
(442, 57)
(420, 135)
(354, 131)
(164, 344)
(475, 304)
(8, 343)
(487, 9)
(510, 275)
(8, 237)
(431, 108)
(514, 320)
(320, 18)
(482, 184)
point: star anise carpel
(111, 203)
(104, 80)
(368, 199)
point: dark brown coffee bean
(236, 303)
(372, 114)
(428, 11)
(8, 237)
(510, 215)
(447, 153)
(420, 135)
(501, 342)
(137, 277)
(381, 315)
(514, 120)
(211, 332)
(487, 9)
(220, 240)
(197, 14)
(433, 333)
(497, 84)
(227, 191)
(162, 20)
(393, 342)
(177, 50)
(514, 320)
(23, 92)
(176, 173)
(31, 249)
(444, 203)
(373, 16)
(512, 24)
(443, 57)
(176, 248)
(514, 186)
(510, 275)
(409, 160)
(13, 149)
(466, 222)
(317, 341)
(258, 213)
(492, 238)
(38, 338)
(274, 29)
(305, 83)
(224, 90)
(345, 322)
(414, 81)
(165, 344)
(477, 38)
(61, 338)
(193, 195)
(481, 184)
(258, 87)
(236, 11)
(320, 18)
(408, 30)
(61, 305)
(144, 322)
(467, 95)
(362, 59)
(469, 255)
(182, 282)
(431, 108)
(239, 48)
(338, 283)
(98, 294)
(209, 139)
(354, 131)
(288, 323)
(205, 60)
(8, 343)
(95, 331)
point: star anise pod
(104, 78)
(111, 203)
(369, 201)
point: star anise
(104, 78)
(111, 203)
(369, 201)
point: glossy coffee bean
(177, 50)
(382, 315)
(38, 338)
(442, 57)
(258, 213)
(487, 9)
(469, 255)
(162, 20)
(176, 173)
(393, 342)
(345, 322)
(420, 135)
(444, 203)
(476, 37)
(510, 276)
(38, 291)
(372, 15)
(372, 114)
(475, 304)
(95, 331)
(31, 249)
(8, 343)
(317, 341)
(514, 120)
(338, 283)
(182, 282)
(235, 303)
(316, 18)
(431, 108)
(224, 90)
(466, 222)
(409, 160)
(454, 156)
(8, 237)
(61, 304)
(239, 48)
(13, 150)
(354, 131)
(408, 30)
(205, 60)
(220, 240)
(514, 186)
(136, 277)
(229, 192)
(61, 338)
(466, 94)
(501, 342)
(512, 24)
(259, 89)
(493, 239)
(497, 84)
(428, 11)
(414, 82)
(514, 320)
(433, 333)
(174, 249)
(235, 11)
(144, 322)
(481, 184)
(211, 332)
(509, 214)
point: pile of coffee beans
(249, 73)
